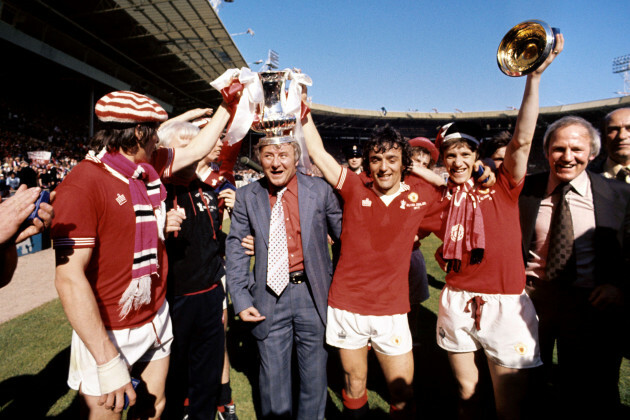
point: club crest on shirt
(413, 197)
(121, 199)
(366, 202)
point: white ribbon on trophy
(294, 106)
(253, 95)
(245, 110)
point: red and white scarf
(464, 226)
(147, 195)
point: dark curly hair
(382, 140)
(116, 136)
(489, 146)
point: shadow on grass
(32, 396)
(433, 282)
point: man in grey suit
(286, 301)
(577, 294)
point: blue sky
(419, 55)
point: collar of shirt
(580, 184)
(611, 168)
(292, 188)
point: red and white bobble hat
(124, 106)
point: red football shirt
(93, 210)
(376, 242)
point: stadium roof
(356, 124)
(169, 49)
(172, 49)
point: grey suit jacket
(320, 214)
(611, 200)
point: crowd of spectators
(24, 130)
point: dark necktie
(623, 174)
(560, 258)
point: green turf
(34, 354)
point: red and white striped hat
(124, 106)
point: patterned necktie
(278, 253)
(560, 263)
(623, 174)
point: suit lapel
(603, 199)
(262, 213)
(529, 204)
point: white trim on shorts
(389, 334)
(508, 331)
(140, 344)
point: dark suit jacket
(611, 201)
(320, 214)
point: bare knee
(356, 385)
(467, 388)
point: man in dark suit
(285, 301)
(578, 294)
(616, 127)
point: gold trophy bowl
(525, 47)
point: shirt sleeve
(76, 219)
(507, 184)
(347, 183)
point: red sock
(353, 403)
(221, 408)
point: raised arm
(190, 115)
(203, 142)
(330, 168)
(517, 152)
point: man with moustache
(285, 298)
(577, 293)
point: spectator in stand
(27, 174)
(4, 187)
(13, 182)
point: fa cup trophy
(270, 117)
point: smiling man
(576, 242)
(369, 297)
(290, 216)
